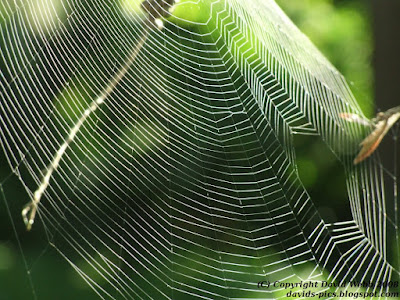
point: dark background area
(386, 17)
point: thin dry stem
(156, 10)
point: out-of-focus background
(359, 37)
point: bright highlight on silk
(156, 10)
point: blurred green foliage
(340, 29)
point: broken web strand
(156, 10)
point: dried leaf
(372, 141)
(383, 122)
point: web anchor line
(156, 10)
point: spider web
(184, 184)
